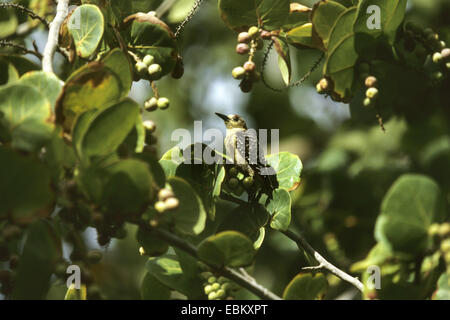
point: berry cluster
(371, 92)
(217, 288)
(166, 200)
(248, 43)
(238, 181)
(441, 233)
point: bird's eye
(235, 118)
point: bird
(242, 145)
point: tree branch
(4, 43)
(239, 278)
(323, 263)
(53, 33)
(228, 197)
(31, 13)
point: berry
(372, 93)
(244, 37)
(220, 294)
(433, 229)
(367, 102)
(248, 182)
(238, 73)
(371, 81)
(215, 286)
(233, 172)
(265, 34)
(444, 230)
(428, 31)
(233, 183)
(212, 296)
(242, 48)
(445, 245)
(324, 84)
(149, 126)
(164, 194)
(246, 85)
(249, 66)
(319, 88)
(154, 70)
(445, 53)
(226, 286)
(141, 67)
(208, 289)
(141, 251)
(148, 60)
(437, 57)
(438, 75)
(253, 31)
(160, 206)
(163, 103)
(212, 279)
(222, 280)
(178, 70)
(172, 203)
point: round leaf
(48, 84)
(288, 167)
(280, 209)
(306, 286)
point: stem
(239, 278)
(31, 13)
(20, 47)
(191, 13)
(53, 33)
(323, 263)
(306, 76)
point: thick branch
(31, 13)
(231, 274)
(53, 33)
(323, 263)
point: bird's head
(233, 121)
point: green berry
(172, 203)
(215, 286)
(220, 294)
(212, 296)
(433, 229)
(367, 102)
(444, 230)
(437, 57)
(154, 70)
(163, 103)
(244, 37)
(212, 279)
(233, 183)
(372, 93)
(149, 125)
(141, 67)
(438, 75)
(238, 73)
(233, 172)
(253, 31)
(148, 60)
(222, 280)
(208, 289)
(160, 206)
(248, 182)
(445, 245)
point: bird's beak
(223, 117)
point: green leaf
(228, 248)
(280, 209)
(306, 286)
(109, 128)
(323, 18)
(86, 25)
(342, 56)
(298, 16)
(410, 206)
(377, 256)
(443, 288)
(25, 188)
(240, 15)
(288, 167)
(190, 216)
(119, 62)
(153, 289)
(41, 252)
(147, 35)
(25, 116)
(284, 59)
(76, 294)
(8, 22)
(301, 36)
(93, 86)
(166, 269)
(48, 84)
(8, 73)
(19, 62)
(392, 13)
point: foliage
(78, 153)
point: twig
(53, 33)
(31, 13)
(4, 43)
(227, 272)
(323, 263)
(191, 13)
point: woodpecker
(241, 144)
